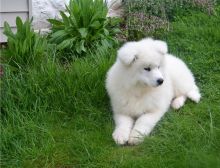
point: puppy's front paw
(178, 102)
(136, 137)
(120, 136)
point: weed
(25, 47)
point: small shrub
(25, 47)
(146, 17)
(83, 26)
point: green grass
(56, 116)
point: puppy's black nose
(159, 81)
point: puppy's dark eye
(147, 69)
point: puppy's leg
(143, 126)
(123, 128)
(178, 102)
(194, 94)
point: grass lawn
(55, 116)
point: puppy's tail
(194, 94)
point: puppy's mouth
(152, 85)
(157, 85)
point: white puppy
(142, 84)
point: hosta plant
(25, 47)
(83, 26)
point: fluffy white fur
(144, 81)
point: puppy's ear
(161, 46)
(127, 54)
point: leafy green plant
(83, 26)
(25, 47)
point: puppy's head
(144, 60)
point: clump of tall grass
(25, 47)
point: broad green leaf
(55, 22)
(58, 36)
(19, 24)
(83, 32)
(68, 43)
(78, 48)
(95, 25)
(7, 30)
(65, 18)
(116, 30)
(106, 32)
(82, 47)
